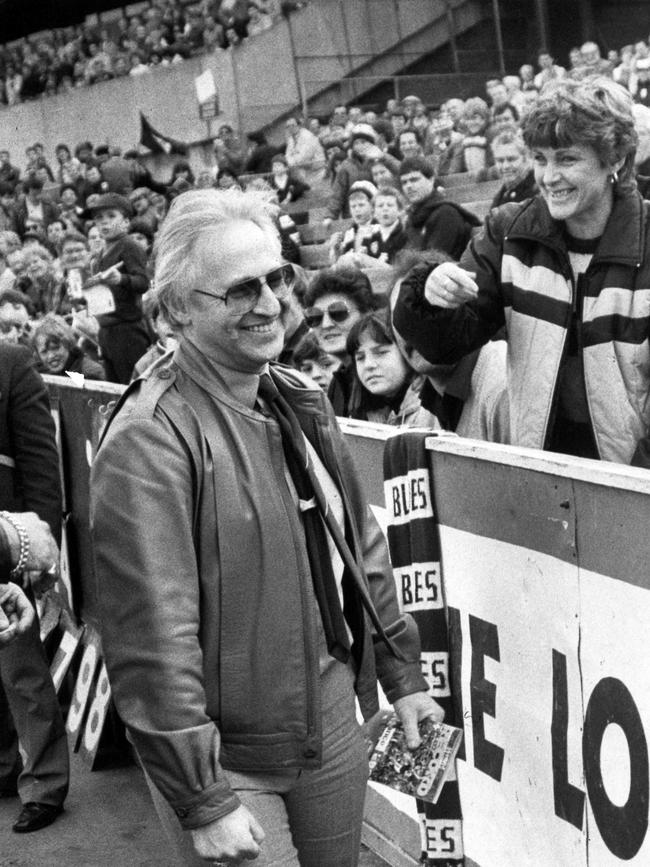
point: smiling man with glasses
(228, 527)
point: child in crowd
(311, 358)
(385, 389)
(360, 202)
(388, 236)
(123, 334)
(287, 186)
(58, 352)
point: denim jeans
(311, 818)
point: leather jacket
(208, 626)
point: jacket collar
(294, 386)
(622, 240)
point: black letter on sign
(623, 829)
(488, 757)
(568, 800)
(455, 672)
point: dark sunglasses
(338, 311)
(243, 296)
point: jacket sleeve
(142, 506)
(33, 443)
(134, 275)
(444, 336)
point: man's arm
(33, 441)
(142, 506)
(134, 274)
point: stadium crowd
(165, 32)
(79, 226)
(382, 175)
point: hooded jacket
(436, 224)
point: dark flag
(157, 142)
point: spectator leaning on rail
(567, 273)
(219, 591)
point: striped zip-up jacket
(526, 283)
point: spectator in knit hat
(345, 245)
(356, 167)
(116, 173)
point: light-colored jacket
(525, 283)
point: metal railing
(432, 89)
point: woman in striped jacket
(567, 273)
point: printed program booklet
(421, 772)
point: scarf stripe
(415, 554)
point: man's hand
(234, 838)
(449, 286)
(16, 613)
(411, 709)
(43, 551)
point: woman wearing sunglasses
(336, 299)
(228, 525)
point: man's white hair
(192, 216)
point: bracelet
(24, 544)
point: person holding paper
(245, 590)
(123, 333)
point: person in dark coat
(261, 154)
(432, 221)
(123, 333)
(29, 710)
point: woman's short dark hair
(502, 109)
(593, 112)
(344, 281)
(377, 325)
